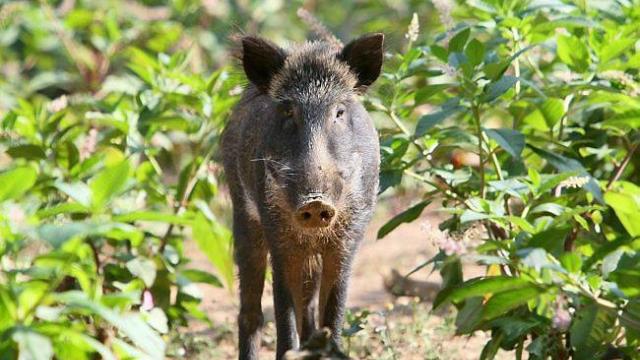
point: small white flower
(445, 7)
(573, 182)
(58, 104)
(414, 29)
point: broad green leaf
(157, 319)
(153, 216)
(571, 261)
(459, 40)
(65, 208)
(199, 276)
(108, 183)
(507, 300)
(481, 287)
(624, 198)
(495, 89)
(16, 182)
(78, 191)
(468, 317)
(614, 49)
(214, 241)
(26, 151)
(425, 93)
(32, 345)
(573, 52)
(475, 52)
(589, 331)
(426, 122)
(143, 268)
(512, 141)
(565, 164)
(552, 110)
(132, 325)
(552, 240)
(627, 280)
(406, 216)
(628, 120)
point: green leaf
(495, 89)
(552, 110)
(624, 198)
(512, 141)
(16, 182)
(108, 183)
(131, 325)
(501, 303)
(571, 261)
(573, 52)
(199, 276)
(153, 216)
(78, 191)
(614, 49)
(424, 93)
(214, 241)
(26, 151)
(64, 208)
(143, 268)
(485, 286)
(589, 331)
(406, 216)
(474, 52)
(458, 41)
(628, 120)
(426, 122)
(565, 164)
(32, 345)
(627, 280)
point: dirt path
(408, 329)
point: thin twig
(476, 117)
(622, 166)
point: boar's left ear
(364, 55)
(261, 60)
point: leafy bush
(522, 119)
(526, 127)
(98, 191)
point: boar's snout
(315, 213)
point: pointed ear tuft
(261, 60)
(364, 56)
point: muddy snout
(315, 213)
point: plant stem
(182, 204)
(476, 116)
(622, 166)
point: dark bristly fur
(300, 139)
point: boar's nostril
(315, 213)
(324, 215)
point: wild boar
(301, 156)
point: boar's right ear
(364, 56)
(261, 60)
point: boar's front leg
(251, 257)
(336, 270)
(283, 303)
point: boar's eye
(340, 111)
(286, 109)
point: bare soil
(397, 327)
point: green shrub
(524, 123)
(521, 118)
